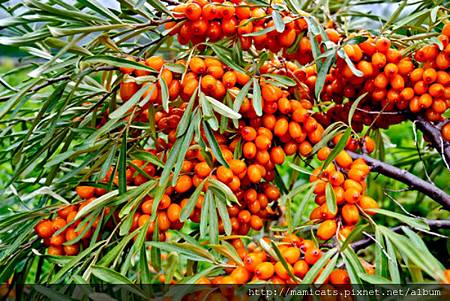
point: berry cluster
(347, 179)
(63, 235)
(250, 24)
(258, 265)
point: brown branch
(408, 178)
(434, 224)
(433, 134)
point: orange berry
(301, 268)
(270, 93)
(291, 254)
(155, 62)
(327, 229)
(224, 174)
(254, 174)
(183, 184)
(281, 271)
(264, 270)
(193, 11)
(350, 214)
(383, 44)
(197, 65)
(71, 250)
(339, 276)
(240, 275)
(343, 159)
(312, 255)
(256, 222)
(249, 150)
(173, 212)
(163, 221)
(368, 203)
(85, 192)
(277, 155)
(263, 142)
(251, 261)
(44, 229)
(55, 251)
(445, 131)
(352, 195)
(202, 169)
(146, 207)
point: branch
(434, 224)
(409, 179)
(433, 134)
(51, 81)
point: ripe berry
(327, 229)
(264, 270)
(44, 229)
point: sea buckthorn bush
(222, 143)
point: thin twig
(434, 224)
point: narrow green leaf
(188, 250)
(327, 270)
(164, 94)
(122, 166)
(223, 109)
(187, 139)
(226, 58)
(109, 276)
(354, 107)
(204, 215)
(240, 97)
(413, 222)
(322, 74)
(257, 100)
(392, 262)
(147, 156)
(278, 21)
(331, 198)
(224, 189)
(185, 119)
(353, 235)
(123, 109)
(337, 148)
(282, 79)
(215, 148)
(213, 219)
(374, 279)
(187, 210)
(224, 216)
(349, 62)
(283, 262)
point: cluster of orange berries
(62, 233)
(392, 81)
(347, 179)
(299, 255)
(251, 24)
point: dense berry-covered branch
(409, 179)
